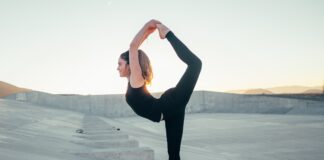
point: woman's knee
(196, 65)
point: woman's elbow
(133, 46)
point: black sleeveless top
(143, 103)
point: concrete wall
(103, 105)
(201, 101)
(235, 103)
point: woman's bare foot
(163, 30)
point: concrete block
(119, 154)
(117, 143)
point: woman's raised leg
(186, 85)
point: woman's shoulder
(136, 85)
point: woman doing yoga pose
(170, 107)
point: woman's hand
(146, 30)
(151, 26)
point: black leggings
(175, 99)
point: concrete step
(103, 137)
(108, 143)
(95, 123)
(119, 154)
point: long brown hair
(145, 64)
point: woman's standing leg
(174, 130)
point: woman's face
(123, 68)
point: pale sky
(72, 46)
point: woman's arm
(136, 78)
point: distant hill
(7, 89)
(257, 91)
(281, 90)
(293, 89)
(315, 91)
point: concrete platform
(218, 136)
(37, 133)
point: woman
(135, 65)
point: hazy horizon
(72, 47)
